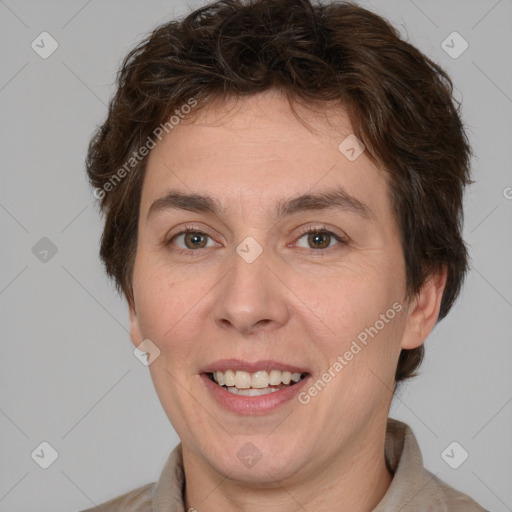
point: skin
(292, 304)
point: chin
(256, 460)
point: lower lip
(252, 404)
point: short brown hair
(400, 104)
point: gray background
(69, 376)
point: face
(259, 287)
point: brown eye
(320, 239)
(195, 240)
(192, 239)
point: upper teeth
(259, 380)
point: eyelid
(310, 228)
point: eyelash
(303, 231)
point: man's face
(210, 301)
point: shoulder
(137, 500)
(441, 497)
(166, 493)
(414, 488)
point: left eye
(321, 238)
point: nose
(252, 297)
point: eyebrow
(330, 199)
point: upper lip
(247, 366)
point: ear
(423, 310)
(135, 332)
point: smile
(261, 382)
(253, 388)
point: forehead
(257, 148)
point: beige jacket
(413, 488)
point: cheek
(351, 299)
(364, 329)
(168, 303)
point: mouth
(254, 388)
(258, 383)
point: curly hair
(400, 104)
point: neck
(355, 480)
